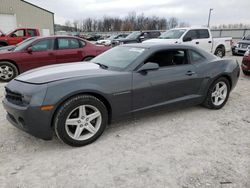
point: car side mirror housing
(243, 38)
(187, 39)
(148, 67)
(29, 50)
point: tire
(88, 58)
(246, 73)
(220, 52)
(8, 71)
(89, 129)
(211, 94)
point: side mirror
(243, 38)
(2, 35)
(187, 39)
(29, 50)
(12, 35)
(148, 67)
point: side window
(43, 45)
(192, 34)
(68, 43)
(203, 33)
(18, 33)
(169, 58)
(195, 56)
(32, 32)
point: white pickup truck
(200, 37)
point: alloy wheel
(83, 122)
(219, 93)
(6, 72)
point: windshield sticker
(139, 50)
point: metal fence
(234, 33)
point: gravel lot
(193, 147)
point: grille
(13, 97)
(242, 45)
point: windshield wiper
(102, 65)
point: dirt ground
(192, 147)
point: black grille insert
(13, 97)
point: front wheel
(218, 94)
(8, 71)
(81, 120)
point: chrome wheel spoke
(78, 132)
(219, 93)
(72, 122)
(91, 128)
(93, 116)
(82, 111)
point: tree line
(132, 22)
(232, 26)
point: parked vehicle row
(40, 51)
(245, 66)
(108, 41)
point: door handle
(209, 41)
(197, 43)
(190, 73)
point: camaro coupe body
(78, 100)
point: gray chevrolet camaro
(78, 100)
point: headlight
(26, 99)
(237, 45)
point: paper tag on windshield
(139, 50)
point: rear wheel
(220, 52)
(246, 72)
(88, 58)
(8, 71)
(218, 94)
(81, 120)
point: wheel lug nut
(87, 119)
(83, 117)
(86, 124)
(79, 121)
(81, 125)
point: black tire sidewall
(14, 68)
(222, 51)
(246, 73)
(67, 107)
(210, 91)
(88, 58)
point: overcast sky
(195, 12)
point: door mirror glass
(243, 38)
(149, 67)
(29, 50)
(187, 39)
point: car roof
(153, 45)
(58, 36)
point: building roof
(37, 6)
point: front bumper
(30, 119)
(239, 51)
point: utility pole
(209, 15)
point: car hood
(165, 41)
(61, 72)
(244, 41)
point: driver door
(174, 81)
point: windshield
(119, 57)
(172, 34)
(24, 44)
(247, 37)
(111, 37)
(134, 35)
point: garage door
(7, 22)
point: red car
(17, 36)
(41, 51)
(245, 66)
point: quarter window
(67, 43)
(32, 32)
(195, 56)
(43, 45)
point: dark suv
(137, 37)
(242, 46)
